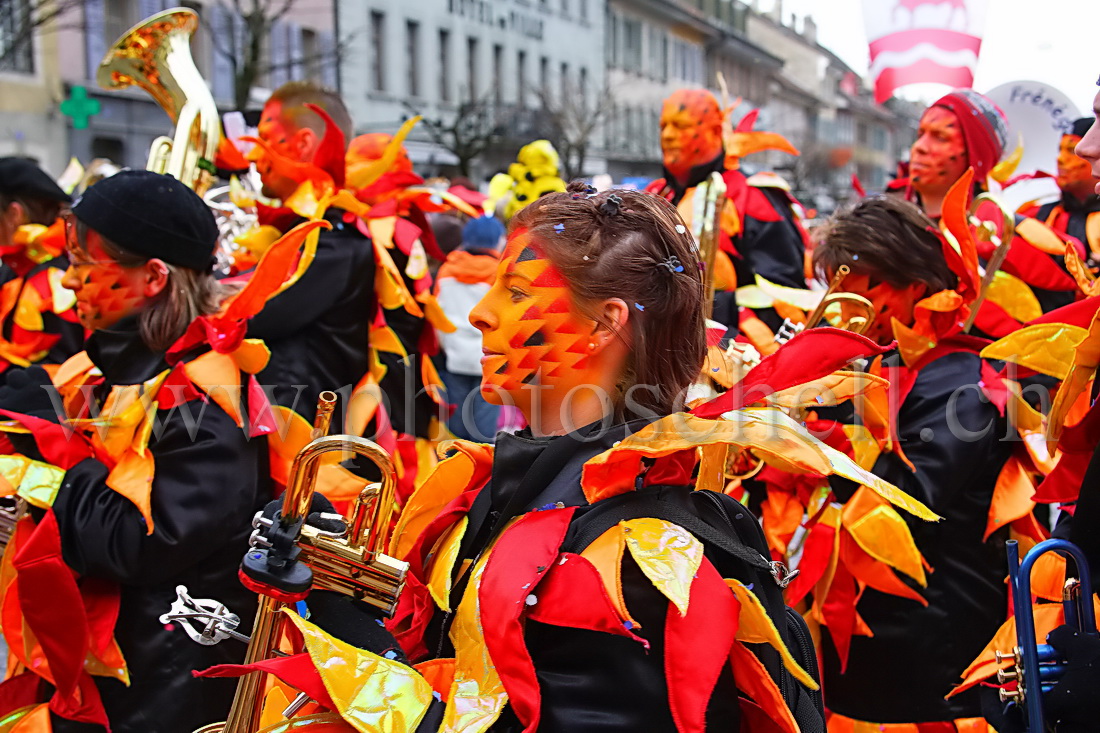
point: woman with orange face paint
(588, 573)
(140, 470)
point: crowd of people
(663, 460)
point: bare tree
(574, 118)
(241, 41)
(467, 132)
(21, 19)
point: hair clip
(611, 206)
(672, 264)
(590, 189)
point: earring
(591, 346)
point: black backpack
(734, 542)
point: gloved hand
(319, 506)
(1071, 706)
(27, 391)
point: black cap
(151, 214)
(21, 177)
(1081, 126)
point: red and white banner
(917, 41)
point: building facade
(68, 52)
(495, 72)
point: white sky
(1052, 41)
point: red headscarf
(984, 128)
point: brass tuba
(350, 562)
(156, 56)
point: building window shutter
(95, 43)
(328, 60)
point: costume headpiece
(984, 128)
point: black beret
(151, 214)
(21, 177)
(1081, 126)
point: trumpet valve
(1016, 696)
(1012, 656)
(1007, 675)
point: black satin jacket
(210, 479)
(318, 329)
(917, 654)
(589, 681)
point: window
(16, 39)
(471, 66)
(444, 65)
(612, 40)
(118, 17)
(521, 78)
(311, 53)
(565, 7)
(544, 76)
(565, 90)
(584, 9)
(632, 44)
(582, 86)
(378, 50)
(498, 73)
(412, 56)
(110, 148)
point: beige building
(31, 125)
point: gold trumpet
(864, 311)
(156, 56)
(988, 231)
(349, 562)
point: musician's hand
(1072, 702)
(319, 506)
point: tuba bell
(156, 56)
(351, 562)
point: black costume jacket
(318, 329)
(955, 439)
(210, 479)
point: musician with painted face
(1079, 205)
(317, 329)
(37, 323)
(759, 233)
(148, 482)
(962, 130)
(945, 450)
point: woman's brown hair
(634, 246)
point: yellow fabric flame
(1044, 347)
(667, 554)
(444, 556)
(370, 692)
(35, 481)
(756, 627)
(884, 535)
(1014, 296)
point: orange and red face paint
(106, 292)
(1074, 172)
(691, 130)
(938, 157)
(532, 333)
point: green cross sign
(80, 107)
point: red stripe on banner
(941, 38)
(920, 72)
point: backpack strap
(637, 505)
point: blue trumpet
(1038, 667)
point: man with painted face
(37, 322)
(1079, 205)
(318, 328)
(962, 130)
(759, 234)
